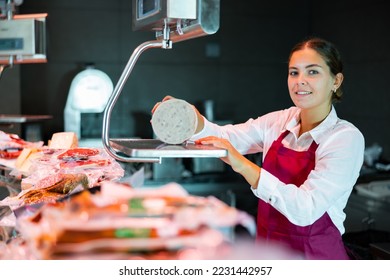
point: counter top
(11, 118)
(381, 250)
(368, 175)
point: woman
(311, 158)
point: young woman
(311, 158)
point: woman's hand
(234, 158)
(239, 163)
(158, 103)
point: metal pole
(115, 95)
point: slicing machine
(173, 21)
(22, 37)
(88, 93)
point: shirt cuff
(204, 132)
(266, 186)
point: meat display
(78, 154)
(48, 174)
(59, 186)
(123, 220)
(11, 145)
(55, 173)
(72, 205)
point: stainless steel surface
(380, 250)
(165, 42)
(23, 39)
(115, 95)
(151, 14)
(369, 204)
(206, 22)
(153, 148)
(186, 19)
(366, 213)
(11, 118)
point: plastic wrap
(123, 219)
(54, 175)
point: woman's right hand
(158, 103)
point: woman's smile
(303, 92)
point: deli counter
(79, 203)
(77, 206)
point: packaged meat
(11, 145)
(135, 222)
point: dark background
(248, 77)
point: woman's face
(310, 81)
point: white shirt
(339, 158)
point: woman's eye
(313, 72)
(293, 73)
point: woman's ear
(339, 80)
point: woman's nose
(301, 80)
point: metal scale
(173, 21)
(22, 41)
(22, 37)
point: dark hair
(329, 53)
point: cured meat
(93, 162)
(62, 184)
(11, 145)
(78, 154)
(89, 163)
(48, 181)
(10, 153)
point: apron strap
(313, 147)
(281, 136)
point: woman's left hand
(233, 158)
(240, 164)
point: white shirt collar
(329, 121)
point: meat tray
(155, 148)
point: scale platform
(154, 148)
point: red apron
(322, 239)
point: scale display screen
(146, 8)
(10, 44)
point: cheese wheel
(174, 121)
(63, 140)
